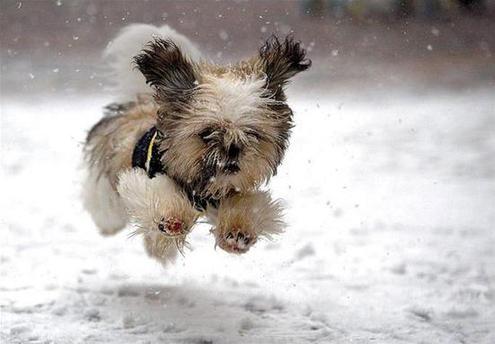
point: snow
(390, 239)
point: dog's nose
(233, 151)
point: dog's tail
(127, 81)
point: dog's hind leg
(104, 204)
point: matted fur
(224, 131)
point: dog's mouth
(231, 168)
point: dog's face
(225, 128)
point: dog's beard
(206, 172)
(214, 155)
(215, 179)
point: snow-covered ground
(391, 238)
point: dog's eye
(253, 134)
(206, 134)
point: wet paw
(236, 240)
(172, 226)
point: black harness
(146, 155)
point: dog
(191, 139)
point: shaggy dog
(199, 142)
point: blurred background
(389, 180)
(56, 45)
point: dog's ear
(280, 61)
(167, 70)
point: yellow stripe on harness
(149, 152)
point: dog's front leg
(240, 220)
(162, 213)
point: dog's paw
(236, 240)
(172, 226)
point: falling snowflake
(223, 35)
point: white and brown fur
(224, 132)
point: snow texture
(390, 236)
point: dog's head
(225, 127)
